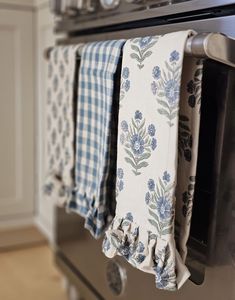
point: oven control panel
(78, 15)
(83, 17)
(76, 7)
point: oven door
(211, 258)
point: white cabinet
(16, 115)
(26, 30)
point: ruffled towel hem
(146, 251)
(55, 188)
(97, 218)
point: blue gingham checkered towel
(94, 166)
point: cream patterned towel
(188, 136)
(143, 228)
(60, 123)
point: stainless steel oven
(211, 258)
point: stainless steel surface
(134, 1)
(223, 25)
(128, 12)
(85, 254)
(205, 45)
(215, 46)
(218, 47)
(74, 279)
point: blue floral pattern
(185, 142)
(134, 252)
(188, 138)
(141, 48)
(138, 115)
(151, 130)
(143, 230)
(165, 270)
(125, 83)
(194, 86)
(151, 185)
(160, 204)
(129, 217)
(187, 199)
(139, 141)
(166, 86)
(174, 56)
(119, 181)
(156, 72)
(185, 139)
(48, 188)
(166, 176)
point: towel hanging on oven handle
(215, 46)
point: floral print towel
(95, 143)
(60, 124)
(189, 121)
(143, 228)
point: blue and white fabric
(152, 110)
(59, 144)
(94, 168)
(188, 138)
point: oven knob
(116, 277)
(109, 4)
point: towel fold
(188, 138)
(143, 228)
(59, 181)
(95, 161)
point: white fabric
(143, 228)
(188, 136)
(60, 124)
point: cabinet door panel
(16, 113)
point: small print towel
(60, 124)
(143, 228)
(188, 138)
(94, 166)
